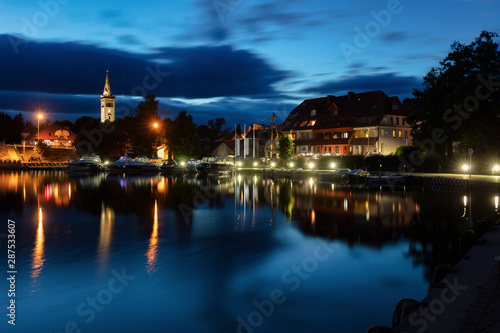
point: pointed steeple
(107, 86)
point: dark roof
(342, 111)
(54, 132)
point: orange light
(155, 125)
(40, 116)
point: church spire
(107, 86)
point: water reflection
(152, 253)
(105, 237)
(38, 255)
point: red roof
(54, 132)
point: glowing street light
(291, 164)
(40, 116)
(272, 165)
(311, 165)
(495, 169)
(332, 165)
(465, 167)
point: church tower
(107, 102)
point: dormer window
(304, 123)
(395, 107)
(312, 122)
(313, 112)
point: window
(393, 134)
(382, 132)
(397, 120)
(303, 148)
(406, 134)
(336, 149)
(391, 121)
(311, 123)
(395, 107)
(313, 112)
(335, 135)
(304, 123)
(334, 112)
(399, 134)
(345, 135)
(404, 121)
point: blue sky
(237, 59)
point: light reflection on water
(203, 252)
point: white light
(272, 164)
(183, 163)
(496, 203)
(332, 165)
(291, 164)
(465, 167)
(254, 164)
(311, 165)
(239, 163)
(496, 168)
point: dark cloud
(390, 83)
(128, 39)
(395, 37)
(75, 68)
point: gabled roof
(54, 132)
(342, 111)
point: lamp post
(40, 116)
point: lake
(110, 253)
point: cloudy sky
(237, 59)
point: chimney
(329, 99)
(350, 95)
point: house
(353, 124)
(54, 135)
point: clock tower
(107, 102)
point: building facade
(107, 102)
(354, 124)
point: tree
(144, 134)
(286, 146)
(457, 104)
(182, 138)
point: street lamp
(40, 116)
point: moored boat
(152, 165)
(135, 166)
(216, 167)
(118, 166)
(87, 164)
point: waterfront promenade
(469, 300)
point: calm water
(156, 254)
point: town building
(53, 136)
(354, 124)
(107, 102)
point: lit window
(304, 123)
(393, 134)
(399, 134)
(382, 133)
(312, 122)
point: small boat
(152, 165)
(385, 180)
(135, 166)
(118, 166)
(216, 167)
(333, 175)
(87, 164)
(168, 167)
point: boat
(135, 166)
(118, 166)
(152, 165)
(87, 164)
(333, 175)
(168, 167)
(220, 166)
(387, 180)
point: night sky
(237, 59)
